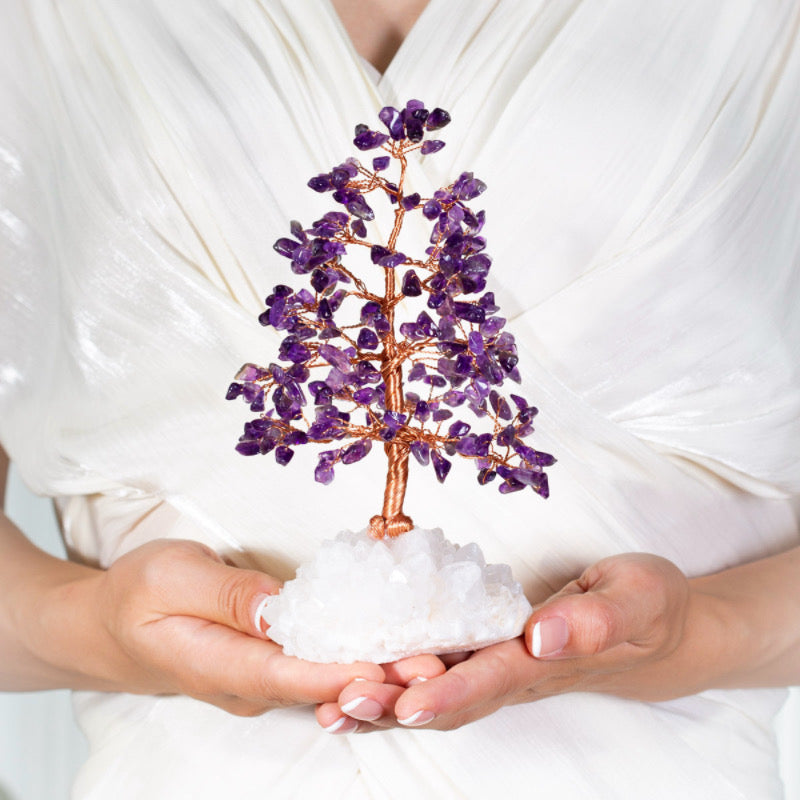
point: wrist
(705, 653)
(716, 636)
(56, 624)
(756, 607)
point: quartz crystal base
(362, 599)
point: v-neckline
(377, 78)
(344, 90)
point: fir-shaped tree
(341, 380)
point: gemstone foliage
(349, 373)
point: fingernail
(260, 622)
(415, 681)
(363, 708)
(420, 718)
(549, 636)
(342, 725)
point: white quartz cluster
(365, 600)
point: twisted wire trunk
(393, 521)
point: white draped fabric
(643, 164)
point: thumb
(190, 579)
(633, 597)
(579, 624)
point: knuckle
(653, 575)
(233, 599)
(603, 628)
(267, 689)
(162, 557)
(646, 576)
(502, 679)
(155, 571)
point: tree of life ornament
(461, 355)
(353, 371)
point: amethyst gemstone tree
(349, 373)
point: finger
(415, 669)
(332, 720)
(209, 658)
(473, 688)
(583, 625)
(371, 702)
(188, 578)
(309, 682)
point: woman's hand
(630, 626)
(177, 609)
(167, 618)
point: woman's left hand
(630, 626)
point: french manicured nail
(342, 725)
(420, 718)
(260, 622)
(364, 708)
(549, 636)
(415, 681)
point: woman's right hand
(176, 609)
(170, 617)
